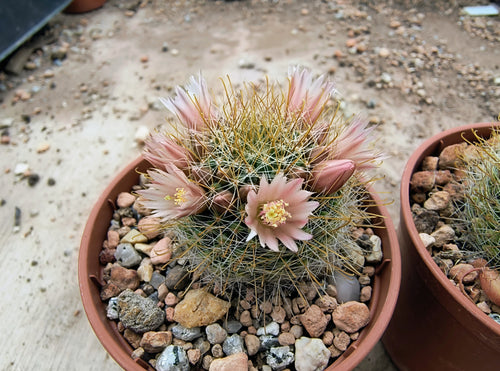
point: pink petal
(288, 242)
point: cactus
(480, 212)
(265, 188)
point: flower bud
(201, 174)
(319, 154)
(222, 201)
(243, 191)
(299, 172)
(329, 176)
(160, 149)
(320, 133)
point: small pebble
(173, 358)
(184, 333)
(286, 338)
(252, 344)
(21, 168)
(33, 179)
(215, 333)
(272, 328)
(43, 147)
(141, 134)
(280, 357)
(233, 344)
(125, 199)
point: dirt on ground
(77, 98)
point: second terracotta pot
(434, 326)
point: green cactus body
(255, 135)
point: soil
(74, 98)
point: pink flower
(172, 195)
(305, 96)
(352, 144)
(193, 105)
(278, 211)
(161, 150)
(328, 176)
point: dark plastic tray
(20, 19)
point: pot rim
(382, 305)
(434, 142)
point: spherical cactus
(480, 211)
(264, 188)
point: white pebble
(311, 354)
(21, 168)
(427, 239)
(141, 134)
(271, 329)
(375, 255)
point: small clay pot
(435, 326)
(83, 6)
(386, 280)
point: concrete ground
(74, 102)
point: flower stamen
(180, 196)
(274, 213)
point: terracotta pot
(385, 284)
(83, 6)
(434, 326)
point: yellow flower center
(179, 196)
(274, 213)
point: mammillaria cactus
(264, 188)
(481, 209)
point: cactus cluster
(264, 188)
(481, 209)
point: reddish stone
(351, 316)
(314, 321)
(156, 341)
(252, 343)
(109, 291)
(113, 239)
(455, 190)
(237, 361)
(107, 255)
(430, 163)
(129, 222)
(326, 303)
(366, 294)
(194, 355)
(328, 338)
(124, 278)
(125, 199)
(132, 337)
(443, 177)
(341, 341)
(286, 338)
(422, 181)
(169, 314)
(449, 158)
(278, 314)
(149, 226)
